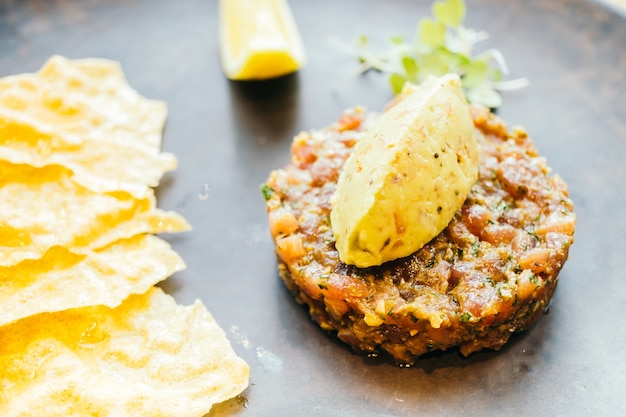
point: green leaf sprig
(443, 45)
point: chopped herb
(443, 45)
(533, 279)
(500, 208)
(476, 248)
(323, 281)
(465, 317)
(267, 191)
(504, 292)
(531, 231)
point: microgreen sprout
(443, 45)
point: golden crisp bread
(148, 357)
(62, 280)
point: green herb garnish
(443, 45)
(267, 191)
(465, 317)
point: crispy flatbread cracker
(83, 114)
(148, 357)
(43, 207)
(83, 330)
(99, 166)
(62, 280)
(88, 98)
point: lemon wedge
(258, 39)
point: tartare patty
(489, 274)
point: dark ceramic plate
(229, 136)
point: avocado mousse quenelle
(407, 176)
